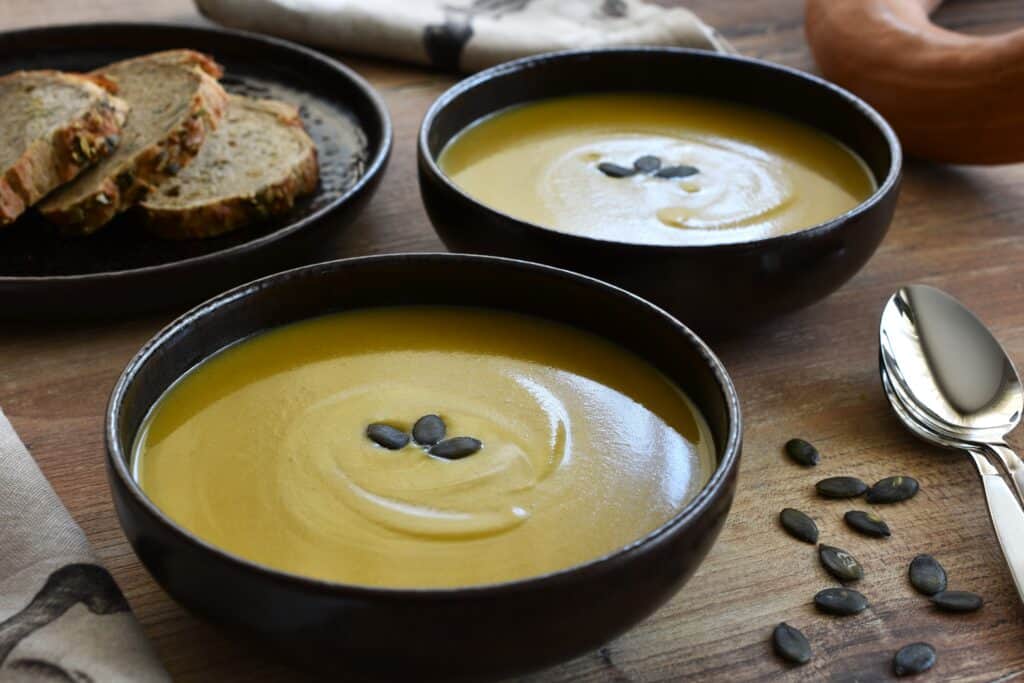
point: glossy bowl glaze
(728, 286)
(473, 633)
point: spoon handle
(1013, 464)
(1007, 517)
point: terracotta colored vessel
(951, 97)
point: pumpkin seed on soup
(428, 430)
(648, 163)
(386, 436)
(957, 601)
(799, 525)
(681, 171)
(926, 575)
(867, 523)
(840, 563)
(456, 447)
(803, 452)
(841, 487)
(840, 601)
(614, 170)
(791, 644)
(913, 659)
(893, 490)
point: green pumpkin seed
(926, 575)
(841, 487)
(614, 170)
(648, 163)
(680, 171)
(957, 601)
(428, 430)
(386, 436)
(803, 452)
(456, 448)
(840, 601)
(893, 490)
(799, 525)
(840, 563)
(867, 523)
(791, 644)
(913, 659)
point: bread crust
(49, 162)
(157, 162)
(222, 215)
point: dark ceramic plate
(474, 633)
(714, 287)
(122, 269)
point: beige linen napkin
(466, 35)
(62, 617)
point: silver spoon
(951, 373)
(1003, 509)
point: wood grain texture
(812, 374)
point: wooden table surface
(811, 374)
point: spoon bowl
(949, 364)
(907, 416)
(951, 374)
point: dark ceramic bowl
(707, 287)
(122, 269)
(472, 633)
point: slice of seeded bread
(54, 125)
(175, 103)
(252, 167)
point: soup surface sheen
(261, 450)
(758, 174)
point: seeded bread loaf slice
(53, 125)
(252, 167)
(175, 103)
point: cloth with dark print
(62, 617)
(466, 35)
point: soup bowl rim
(727, 454)
(428, 161)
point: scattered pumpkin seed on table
(840, 601)
(926, 575)
(799, 525)
(957, 601)
(791, 644)
(840, 563)
(893, 490)
(803, 452)
(867, 523)
(841, 487)
(913, 659)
